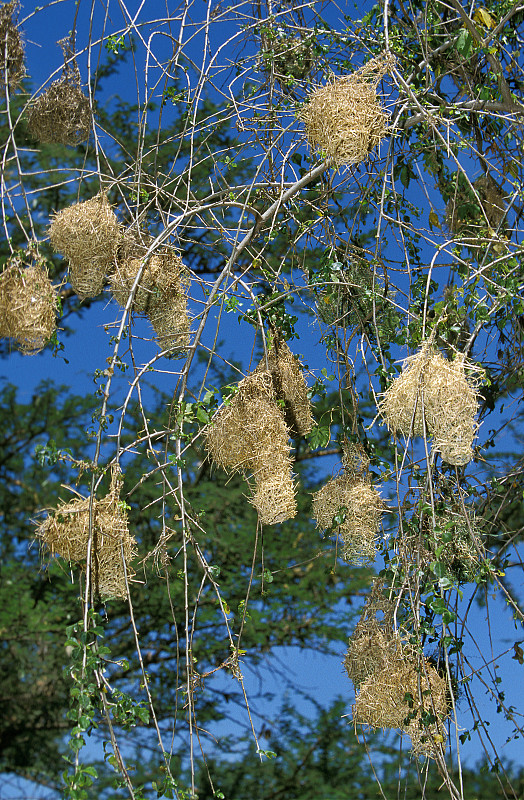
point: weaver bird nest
(87, 234)
(407, 694)
(373, 642)
(474, 208)
(62, 113)
(344, 119)
(433, 396)
(249, 435)
(65, 532)
(11, 47)
(290, 387)
(28, 302)
(353, 509)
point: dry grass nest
(360, 508)
(11, 46)
(87, 234)
(409, 695)
(249, 435)
(344, 119)
(28, 302)
(61, 114)
(435, 396)
(65, 532)
(290, 387)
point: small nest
(433, 396)
(62, 113)
(361, 508)
(407, 695)
(286, 56)
(87, 234)
(249, 434)
(65, 532)
(27, 303)
(171, 324)
(163, 275)
(11, 46)
(344, 118)
(290, 387)
(467, 215)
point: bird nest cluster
(290, 387)
(249, 435)
(62, 113)
(66, 532)
(344, 119)
(434, 396)
(28, 302)
(352, 508)
(87, 234)
(11, 48)
(474, 208)
(406, 693)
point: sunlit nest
(290, 387)
(65, 533)
(360, 508)
(87, 234)
(164, 276)
(249, 435)
(170, 320)
(11, 48)
(467, 216)
(285, 56)
(409, 695)
(434, 396)
(28, 303)
(344, 119)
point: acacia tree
(223, 179)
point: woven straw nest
(27, 303)
(11, 46)
(361, 507)
(468, 212)
(290, 387)
(407, 694)
(62, 113)
(344, 118)
(65, 532)
(434, 396)
(249, 435)
(87, 234)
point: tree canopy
(299, 231)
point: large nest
(28, 303)
(87, 234)
(344, 118)
(353, 508)
(474, 208)
(65, 532)
(11, 47)
(249, 435)
(407, 694)
(433, 396)
(290, 387)
(62, 113)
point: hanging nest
(344, 118)
(65, 532)
(170, 320)
(87, 234)
(28, 303)
(11, 47)
(469, 212)
(62, 113)
(249, 434)
(433, 396)
(407, 694)
(374, 640)
(290, 387)
(359, 507)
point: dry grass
(344, 119)
(65, 532)
(12, 64)
(164, 274)
(87, 234)
(290, 387)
